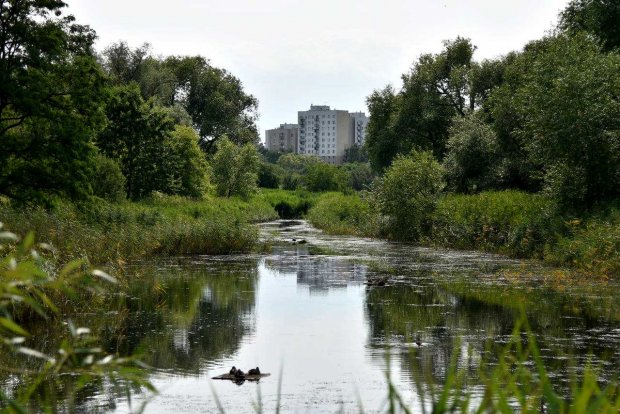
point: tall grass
(288, 204)
(106, 232)
(337, 213)
(514, 223)
(510, 222)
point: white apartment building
(321, 131)
(282, 139)
(360, 123)
(325, 132)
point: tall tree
(438, 88)
(235, 169)
(51, 100)
(213, 98)
(599, 17)
(136, 136)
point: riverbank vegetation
(526, 149)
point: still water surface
(307, 314)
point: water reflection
(308, 309)
(317, 273)
(190, 314)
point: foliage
(184, 164)
(322, 176)
(106, 232)
(29, 287)
(289, 204)
(108, 181)
(269, 175)
(360, 175)
(136, 137)
(213, 98)
(438, 88)
(51, 95)
(235, 169)
(295, 168)
(591, 244)
(599, 17)
(356, 154)
(471, 155)
(511, 222)
(336, 213)
(407, 194)
(571, 119)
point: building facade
(325, 132)
(283, 139)
(321, 131)
(360, 123)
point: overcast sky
(290, 54)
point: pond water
(331, 317)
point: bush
(337, 213)
(406, 195)
(108, 181)
(360, 175)
(269, 175)
(511, 222)
(325, 177)
(185, 164)
(592, 244)
(288, 204)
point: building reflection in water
(317, 273)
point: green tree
(356, 154)
(213, 98)
(322, 176)
(599, 17)
(407, 194)
(235, 169)
(438, 88)
(51, 99)
(471, 158)
(136, 136)
(295, 168)
(269, 175)
(185, 164)
(569, 104)
(382, 143)
(360, 175)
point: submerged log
(231, 377)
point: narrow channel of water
(306, 314)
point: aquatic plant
(53, 379)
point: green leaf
(72, 266)
(13, 327)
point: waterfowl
(239, 374)
(254, 371)
(233, 371)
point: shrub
(337, 213)
(511, 222)
(325, 177)
(407, 194)
(360, 175)
(269, 175)
(108, 181)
